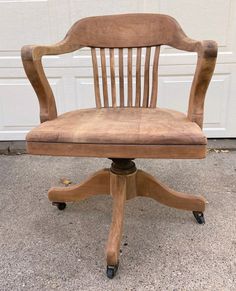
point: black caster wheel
(111, 271)
(59, 205)
(199, 217)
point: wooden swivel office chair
(125, 126)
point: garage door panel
(19, 107)
(46, 21)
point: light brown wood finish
(118, 192)
(104, 77)
(155, 78)
(125, 187)
(128, 30)
(117, 32)
(161, 29)
(121, 77)
(130, 81)
(146, 77)
(122, 188)
(148, 186)
(96, 80)
(207, 54)
(113, 80)
(117, 150)
(97, 184)
(120, 126)
(36, 75)
(138, 77)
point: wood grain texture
(155, 78)
(148, 186)
(138, 77)
(104, 77)
(97, 184)
(121, 77)
(205, 67)
(154, 126)
(130, 78)
(119, 31)
(117, 151)
(124, 187)
(63, 136)
(118, 193)
(146, 77)
(38, 80)
(113, 80)
(95, 77)
(128, 30)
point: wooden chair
(125, 124)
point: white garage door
(46, 21)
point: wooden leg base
(98, 183)
(123, 187)
(148, 186)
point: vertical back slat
(113, 81)
(138, 77)
(146, 77)
(130, 85)
(155, 77)
(121, 77)
(95, 76)
(104, 77)
(147, 100)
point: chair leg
(98, 183)
(118, 192)
(148, 186)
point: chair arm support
(32, 62)
(207, 54)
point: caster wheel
(199, 217)
(59, 205)
(111, 271)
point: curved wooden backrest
(126, 30)
(134, 32)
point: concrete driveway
(42, 248)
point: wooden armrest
(31, 57)
(207, 54)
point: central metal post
(122, 166)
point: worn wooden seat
(120, 126)
(126, 123)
